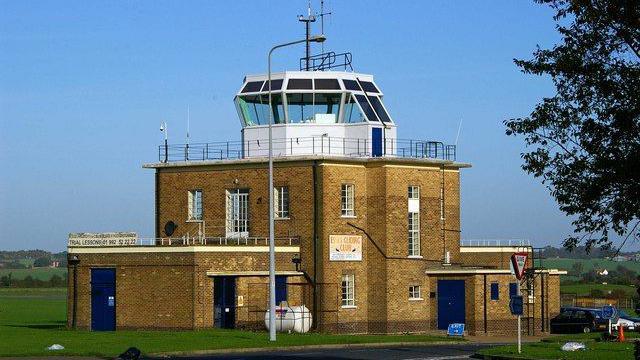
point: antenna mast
(307, 20)
(322, 15)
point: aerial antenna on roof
(188, 122)
(307, 20)
(458, 134)
(322, 15)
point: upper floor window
(237, 213)
(414, 234)
(281, 202)
(495, 291)
(195, 205)
(348, 200)
(414, 192)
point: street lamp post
(272, 247)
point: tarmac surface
(419, 352)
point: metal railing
(327, 61)
(314, 145)
(217, 241)
(495, 242)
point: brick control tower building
(367, 226)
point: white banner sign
(345, 248)
(102, 239)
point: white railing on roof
(495, 242)
(217, 241)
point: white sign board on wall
(345, 248)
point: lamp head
(162, 126)
(318, 38)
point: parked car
(601, 323)
(573, 321)
(627, 321)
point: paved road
(426, 352)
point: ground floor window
(414, 292)
(348, 290)
(513, 290)
(495, 291)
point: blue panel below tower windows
(281, 289)
(451, 309)
(376, 142)
(103, 299)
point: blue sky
(84, 86)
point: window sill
(416, 299)
(282, 218)
(194, 221)
(348, 307)
(348, 216)
(415, 257)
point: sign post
(608, 312)
(519, 262)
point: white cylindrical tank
(302, 319)
(291, 318)
(284, 318)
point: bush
(42, 262)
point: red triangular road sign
(519, 262)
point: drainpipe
(74, 261)
(442, 218)
(484, 307)
(315, 243)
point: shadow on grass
(60, 324)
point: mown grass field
(551, 348)
(36, 273)
(33, 319)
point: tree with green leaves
(584, 142)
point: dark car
(601, 323)
(573, 321)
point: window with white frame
(195, 205)
(237, 223)
(414, 292)
(348, 290)
(414, 192)
(348, 200)
(414, 234)
(281, 202)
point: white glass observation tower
(315, 112)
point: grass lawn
(550, 348)
(33, 319)
(36, 273)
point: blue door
(224, 302)
(281, 289)
(450, 303)
(376, 142)
(103, 299)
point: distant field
(588, 264)
(37, 273)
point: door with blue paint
(103, 299)
(450, 303)
(281, 289)
(224, 302)
(376, 142)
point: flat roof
(422, 162)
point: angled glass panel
(369, 87)
(327, 84)
(351, 85)
(275, 85)
(377, 106)
(368, 110)
(255, 109)
(299, 84)
(252, 86)
(352, 112)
